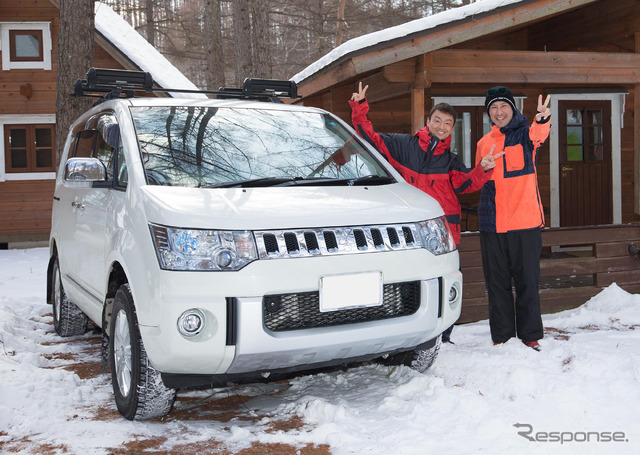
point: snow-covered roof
(359, 44)
(137, 49)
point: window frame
(8, 30)
(33, 119)
(14, 48)
(31, 148)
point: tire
(105, 364)
(138, 388)
(68, 319)
(417, 359)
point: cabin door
(585, 163)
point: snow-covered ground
(581, 394)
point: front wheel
(138, 388)
(419, 359)
(68, 319)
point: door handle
(77, 205)
(566, 168)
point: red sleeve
(466, 180)
(364, 127)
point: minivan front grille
(282, 244)
(283, 312)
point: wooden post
(417, 109)
(636, 138)
(417, 93)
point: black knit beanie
(499, 93)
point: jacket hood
(518, 121)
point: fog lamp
(191, 323)
(453, 295)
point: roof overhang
(322, 75)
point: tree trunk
(151, 25)
(214, 74)
(75, 57)
(340, 24)
(242, 40)
(261, 39)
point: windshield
(208, 146)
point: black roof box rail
(115, 83)
(275, 87)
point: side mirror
(85, 170)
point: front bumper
(243, 344)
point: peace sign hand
(543, 109)
(489, 161)
(360, 94)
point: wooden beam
(417, 94)
(473, 66)
(327, 79)
(380, 89)
(417, 109)
(403, 71)
(436, 38)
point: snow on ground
(579, 395)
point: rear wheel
(68, 319)
(418, 359)
(138, 388)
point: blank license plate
(339, 292)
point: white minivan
(217, 240)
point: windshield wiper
(373, 180)
(319, 181)
(290, 181)
(257, 182)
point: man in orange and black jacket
(424, 159)
(510, 216)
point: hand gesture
(360, 94)
(543, 109)
(489, 161)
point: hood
(286, 208)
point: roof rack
(109, 84)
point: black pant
(514, 255)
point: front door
(585, 163)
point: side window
(85, 143)
(122, 177)
(107, 142)
(104, 152)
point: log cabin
(28, 60)
(586, 55)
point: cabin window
(25, 45)
(29, 148)
(472, 122)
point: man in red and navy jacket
(424, 159)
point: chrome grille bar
(277, 244)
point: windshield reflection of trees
(206, 145)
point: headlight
(436, 236)
(199, 249)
